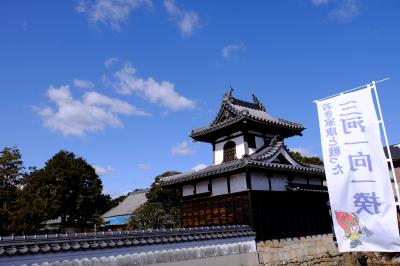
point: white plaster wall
(187, 190)
(202, 187)
(219, 149)
(279, 182)
(259, 181)
(259, 142)
(314, 181)
(238, 182)
(219, 186)
(300, 180)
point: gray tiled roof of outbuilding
(133, 201)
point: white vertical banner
(360, 190)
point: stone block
(267, 257)
(292, 254)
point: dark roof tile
(394, 150)
(240, 110)
(258, 159)
(60, 243)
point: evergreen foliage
(11, 175)
(67, 188)
(305, 159)
(162, 209)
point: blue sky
(122, 83)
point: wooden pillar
(246, 144)
(248, 180)
(213, 154)
(269, 176)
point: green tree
(305, 159)
(68, 187)
(11, 174)
(162, 209)
(32, 205)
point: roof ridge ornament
(257, 102)
(228, 95)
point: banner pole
(354, 89)
(390, 160)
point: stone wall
(310, 250)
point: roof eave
(211, 133)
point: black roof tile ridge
(241, 114)
(216, 126)
(294, 159)
(302, 163)
(219, 168)
(394, 151)
(264, 152)
(245, 104)
(293, 167)
(200, 131)
(278, 121)
(306, 187)
(219, 114)
(201, 233)
(274, 120)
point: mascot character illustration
(352, 230)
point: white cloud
(144, 166)
(100, 171)
(162, 92)
(83, 84)
(186, 20)
(199, 167)
(110, 13)
(182, 149)
(319, 2)
(93, 113)
(345, 11)
(110, 61)
(231, 48)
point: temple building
(117, 218)
(253, 180)
(395, 152)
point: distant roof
(394, 150)
(129, 204)
(263, 158)
(234, 111)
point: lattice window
(229, 151)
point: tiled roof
(394, 150)
(129, 204)
(306, 188)
(244, 110)
(243, 113)
(260, 159)
(13, 246)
